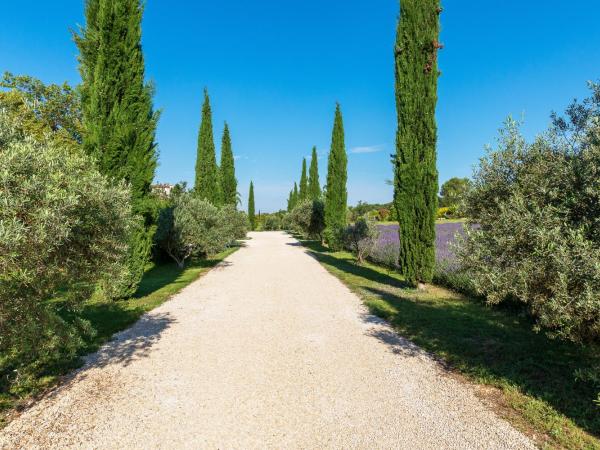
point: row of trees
(334, 195)
(214, 183)
(217, 184)
(310, 187)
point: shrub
(287, 223)
(272, 223)
(194, 227)
(538, 240)
(383, 214)
(308, 218)
(386, 252)
(237, 221)
(64, 229)
(334, 237)
(443, 212)
(361, 238)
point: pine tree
(227, 171)
(118, 116)
(251, 216)
(303, 193)
(415, 173)
(207, 184)
(336, 194)
(314, 188)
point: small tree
(237, 221)
(361, 238)
(251, 213)
(272, 222)
(193, 227)
(308, 218)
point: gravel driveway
(267, 350)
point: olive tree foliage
(64, 230)
(194, 227)
(236, 221)
(453, 192)
(537, 206)
(272, 222)
(308, 218)
(42, 111)
(361, 238)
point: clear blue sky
(275, 69)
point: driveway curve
(267, 350)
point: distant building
(162, 190)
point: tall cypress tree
(295, 196)
(290, 201)
(207, 184)
(118, 116)
(227, 170)
(336, 194)
(303, 193)
(415, 173)
(314, 188)
(251, 216)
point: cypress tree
(227, 170)
(207, 184)
(118, 117)
(290, 201)
(415, 173)
(336, 194)
(314, 188)
(303, 193)
(251, 216)
(295, 196)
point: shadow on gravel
(317, 251)
(398, 345)
(493, 346)
(132, 344)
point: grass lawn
(526, 377)
(108, 317)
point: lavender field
(386, 251)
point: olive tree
(194, 227)
(537, 215)
(64, 230)
(235, 221)
(361, 238)
(308, 218)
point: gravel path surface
(266, 351)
